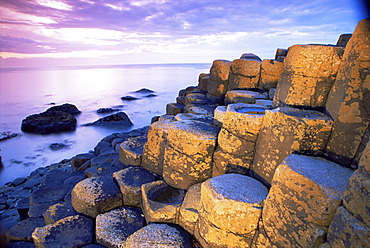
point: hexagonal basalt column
(305, 194)
(237, 138)
(243, 96)
(286, 130)
(188, 156)
(244, 74)
(231, 208)
(131, 151)
(161, 202)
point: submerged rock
(118, 119)
(144, 90)
(67, 107)
(129, 98)
(7, 135)
(49, 122)
(106, 110)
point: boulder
(130, 180)
(159, 236)
(309, 72)
(144, 90)
(131, 150)
(114, 227)
(161, 202)
(188, 154)
(72, 231)
(219, 77)
(96, 195)
(243, 96)
(67, 107)
(270, 73)
(285, 130)
(106, 110)
(305, 194)
(250, 56)
(119, 119)
(244, 74)
(49, 122)
(349, 99)
(129, 98)
(229, 216)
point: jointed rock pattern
(229, 165)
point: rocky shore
(261, 153)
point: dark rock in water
(151, 95)
(144, 90)
(116, 120)
(106, 110)
(57, 146)
(67, 107)
(7, 135)
(49, 122)
(129, 98)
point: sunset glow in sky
(86, 32)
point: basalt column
(309, 72)
(286, 130)
(237, 139)
(349, 99)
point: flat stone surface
(159, 236)
(72, 231)
(23, 230)
(57, 212)
(48, 194)
(115, 226)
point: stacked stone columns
(309, 72)
(305, 194)
(244, 74)
(237, 139)
(349, 99)
(286, 130)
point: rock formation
(229, 165)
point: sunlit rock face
(219, 78)
(270, 73)
(244, 74)
(349, 99)
(309, 72)
(286, 130)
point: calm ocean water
(30, 91)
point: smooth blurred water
(30, 91)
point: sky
(111, 32)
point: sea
(27, 91)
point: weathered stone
(21, 244)
(357, 197)
(159, 236)
(309, 72)
(161, 202)
(130, 180)
(115, 226)
(243, 96)
(38, 209)
(131, 151)
(224, 163)
(270, 73)
(155, 147)
(23, 230)
(196, 98)
(174, 108)
(216, 99)
(310, 187)
(281, 54)
(229, 216)
(48, 194)
(72, 231)
(244, 74)
(272, 94)
(188, 157)
(180, 100)
(189, 209)
(203, 81)
(286, 130)
(80, 159)
(220, 70)
(55, 177)
(347, 231)
(105, 169)
(96, 195)
(49, 122)
(265, 103)
(100, 146)
(217, 89)
(349, 99)
(200, 109)
(364, 164)
(57, 212)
